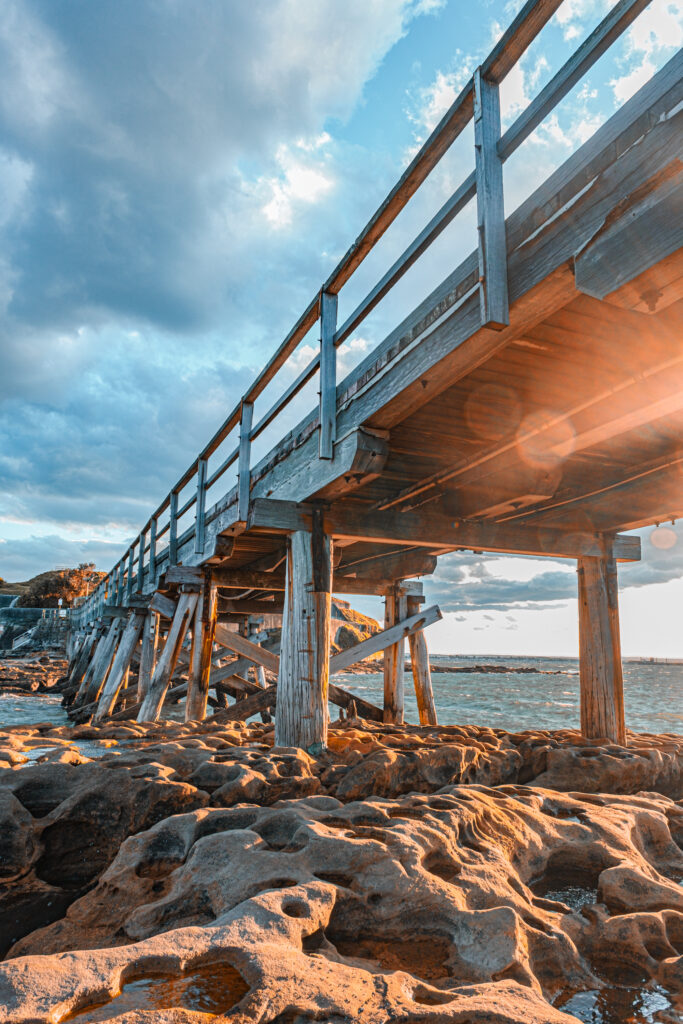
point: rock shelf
(409, 874)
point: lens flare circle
(663, 538)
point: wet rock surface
(412, 874)
(38, 673)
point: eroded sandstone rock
(60, 827)
(442, 900)
(406, 874)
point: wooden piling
(422, 676)
(150, 641)
(119, 669)
(92, 686)
(395, 611)
(153, 702)
(303, 680)
(602, 688)
(202, 646)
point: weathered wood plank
(240, 645)
(615, 256)
(393, 667)
(150, 641)
(152, 704)
(388, 567)
(127, 645)
(303, 677)
(202, 645)
(200, 505)
(328, 376)
(163, 605)
(173, 528)
(248, 606)
(422, 677)
(392, 634)
(244, 464)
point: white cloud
(655, 34)
(299, 181)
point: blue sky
(178, 178)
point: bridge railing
(478, 100)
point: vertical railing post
(119, 597)
(173, 529)
(153, 550)
(140, 581)
(200, 506)
(493, 286)
(129, 581)
(244, 463)
(328, 375)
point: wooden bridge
(532, 403)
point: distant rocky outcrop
(45, 590)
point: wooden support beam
(184, 575)
(375, 583)
(246, 648)
(95, 659)
(303, 678)
(395, 610)
(435, 529)
(602, 688)
(328, 375)
(382, 568)
(493, 285)
(422, 677)
(91, 692)
(152, 704)
(393, 634)
(150, 641)
(114, 611)
(265, 700)
(83, 658)
(129, 642)
(248, 606)
(252, 705)
(202, 647)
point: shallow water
(20, 709)
(615, 1005)
(212, 989)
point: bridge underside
(546, 437)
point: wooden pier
(532, 403)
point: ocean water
(546, 698)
